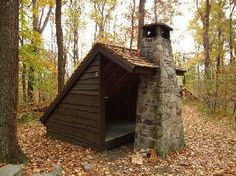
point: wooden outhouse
(97, 107)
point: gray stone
(56, 172)
(88, 166)
(10, 170)
(160, 131)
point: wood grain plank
(81, 99)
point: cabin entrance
(121, 91)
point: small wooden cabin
(97, 107)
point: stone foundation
(159, 116)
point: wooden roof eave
(178, 71)
(116, 59)
(125, 64)
(145, 70)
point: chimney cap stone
(156, 25)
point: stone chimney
(159, 124)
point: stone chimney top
(157, 30)
(156, 39)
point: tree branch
(199, 11)
(41, 17)
(46, 20)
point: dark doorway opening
(121, 91)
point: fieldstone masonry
(159, 116)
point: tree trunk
(31, 84)
(24, 72)
(230, 41)
(206, 21)
(231, 33)
(59, 33)
(141, 21)
(38, 26)
(31, 69)
(75, 24)
(95, 32)
(206, 39)
(218, 68)
(10, 151)
(155, 10)
(101, 31)
(198, 71)
(75, 48)
(24, 90)
(132, 24)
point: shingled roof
(131, 56)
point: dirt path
(210, 150)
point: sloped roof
(129, 59)
(131, 56)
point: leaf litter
(210, 150)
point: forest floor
(210, 150)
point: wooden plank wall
(77, 117)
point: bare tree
(10, 151)
(133, 8)
(206, 38)
(74, 21)
(165, 10)
(101, 14)
(141, 16)
(155, 10)
(59, 34)
(232, 4)
(39, 24)
(205, 18)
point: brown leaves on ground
(210, 150)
